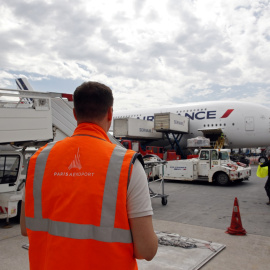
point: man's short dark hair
(92, 101)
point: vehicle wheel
(262, 159)
(222, 179)
(164, 201)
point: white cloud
(226, 90)
(151, 53)
(259, 96)
(204, 93)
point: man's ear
(110, 114)
(74, 113)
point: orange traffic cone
(236, 224)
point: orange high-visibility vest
(75, 204)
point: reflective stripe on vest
(106, 232)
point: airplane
(244, 124)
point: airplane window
(198, 110)
(224, 124)
(216, 125)
(208, 125)
(220, 124)
(233, 124)
(212, 125)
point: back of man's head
(92, 101)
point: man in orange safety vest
(87, 202)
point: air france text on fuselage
(194, 115)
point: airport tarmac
(195, 210)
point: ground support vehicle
(140, 135)
(144, 149)
(28, 121)
(153, 162)
(13, 166)
(212, 165)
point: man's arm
(144, 238)
(266, 163)
(22, 220)
(140, 215)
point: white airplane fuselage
(246, 125)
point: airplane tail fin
(23, 84)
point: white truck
(211, 165)
(13, 166)
(28, 120)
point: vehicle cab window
(9, 168)
(224, 156)
(204, 155)
(214, 155)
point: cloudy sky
(150, 52)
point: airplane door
(204, 163)
(249, 122)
